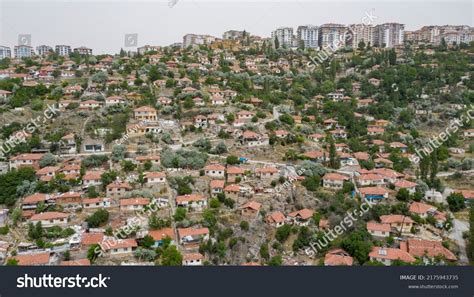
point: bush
(311, 183)
(456, 202)
(47, 160)
(282, 233)
(244, 225)
(183, 159)
(232, 160)
(180, 214)
(97, 218)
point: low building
(427, 249)
(378, 230)
(301, 217)
(250, 209)
(267, 173)
(338, 257)
(192, 236)
(118, 189)
(193, 259)
(25, 160)
(160, 235)
(38, 259)
(153, 178)
(118, 247)
(133, 204)
(49, 219)
(398, 223)
(388, 255)
(96, 203)
(275, 219)
(334, 180)
(215, 171)
(373, 193)
(195, 201)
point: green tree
(264, 252)
(403, 195)
(47, 160)
(283, 232)
(276, 261)
(12, 262)
(93, 252)
(333, 158)
(180, 214)
(232, 160)
(147, 241)
(97, 218)
(456, 202)
(171, 257)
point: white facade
(63, 50)
(389, 35)
(284, 36)
(23, 51)
(309, 35)
(5, 52)
(43, 50)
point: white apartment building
(83, 50)
(332, 35)
(389, 35)
(234, 34)
(147, 48)
(23, 51)
(5, 52)
(359, 33)
(284, 36)
(195, 39)
(43, 50)
(63, 50)
(308, 35)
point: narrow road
(456, 234)
(446, 174)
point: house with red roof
(133, 204)
(250, 209)
(427, 249)
(192, 259)
(233, 173)
(275, 219)
(38, 259)
(118, 189)
(146, 114)
(217, 186)
(51, 218)
(215, 171)
(267, 172)
(334, 180)
(118, 247)
(338, 257)
(194, 201)
(192, 236)
(378, 229)
(25, 160)
(300, 217)
(388, 255)
(398, 222)
(410, 186)
(160, 235)
(373, 193)
(155, 178)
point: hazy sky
(101, 25)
